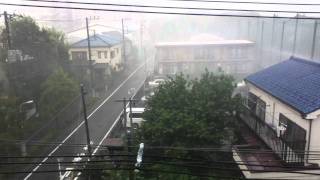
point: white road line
(56, 148)
(115, 122)
(109, 131)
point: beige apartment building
(234, 57)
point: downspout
(273, 112)
(309, 139)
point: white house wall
(315, 142)
(273, 109)
(94, 54)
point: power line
(191, 163)
(209, 149)
(127, 169)
(172, 7)
(179, 165)
(155, 12)
(105, 147)
(252, 2)
(58, 20)
(189, 160)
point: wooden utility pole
(128, 135)
(85, 119)
(90, 59)
(6, 21)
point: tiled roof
(98, 40)
(296, 82)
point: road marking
(56, 148)
(115, 122)
(109, 131)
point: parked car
(156, 82)
(136, 114)
(144, 98)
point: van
(136, 114)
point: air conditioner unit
(281, 129)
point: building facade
(234, 57)
(106, 56)
(104, 49)
(282, 110)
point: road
(100, 121)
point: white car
(136, 114)
(155, 83)
(144, 98)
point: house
(234, 57)
(105, 49)
(118, 35)
(281, 122)
(106, 56)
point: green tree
(56, 92)
(46, 46)
(190, 113)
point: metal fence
(287, 151)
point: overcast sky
(43, 14)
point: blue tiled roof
(98, 40)
(295, 82)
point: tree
(56, 92)
(47, 48)
(191, 113)
(188, 113)
(45, 44)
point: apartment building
(234, 57)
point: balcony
(286, 151)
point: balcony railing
(286, 151)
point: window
(261, 109)
(106, 54)
(79, 55)
(100, 54)
(293, 135)
(112, 54)
(257, 106)
(117, 50)
(135, 115)
(200, 53)
(252, 101)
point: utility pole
(128, 135)
(90, 60)
(272, 36)
(123, 43)
(248, 29)
(314, 38)
(295, 36)
(6, 21)
(282, 38)
(261, 43)
(85, 118)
